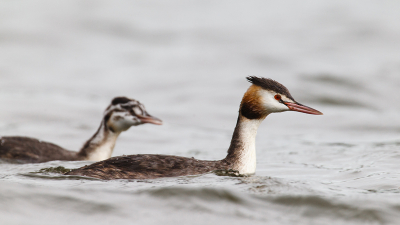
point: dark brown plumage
(25, 150)
(147, 167)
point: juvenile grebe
(119, 116)
(264, 96)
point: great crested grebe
(119, 116)
(264, 96)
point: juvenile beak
(149, 119)
(302, 108)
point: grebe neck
(101, 145)
(242, 151)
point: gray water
(61, 62)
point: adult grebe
(264, 96)
(119, 116)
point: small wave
(262, 208)
(315, 206)
(389, 143)
(340, 91)
(333, 80)
(333, 144)
(338, 101)
(206, 194)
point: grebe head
(124, 112)
(267, 96)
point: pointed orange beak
(302, 108)
(150, 119)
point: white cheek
(123, 122)
(271, 104)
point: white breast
(247, 162)
(104, 150)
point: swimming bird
(263, 97)
(119, 116)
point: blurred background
(61, 63)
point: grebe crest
(267, 96)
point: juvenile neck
(100, 146)
(242, 151)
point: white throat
(101, 145)
(242, 152)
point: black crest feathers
(269, 84)
(120, 100)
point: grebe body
(119, 116)
(264, 96)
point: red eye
(277, 97)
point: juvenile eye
(277, 97)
